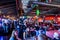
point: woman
(14, 35)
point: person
(24, 30)
(38, 34)
(33, 33)
(3, 24)
(15, 23)
(6, 25)
(14, 35)
(27, 30)
(56, 36)
(20, 34)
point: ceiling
(7, 5)
(5, 2)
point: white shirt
(27, 29)
(3, 20)
(25, 21)
(56, 35)
(6, 21)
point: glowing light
(49, 18)
(7, 16)
(58, 19)
(37, 12)
(40, 20)
(35, 17)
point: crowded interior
(42, 28)
(29, 19)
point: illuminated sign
(40, 20)
(49, 18)
(37, 12)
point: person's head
(37, 28)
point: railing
(47, 4)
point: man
(38, 34)
(5, 25)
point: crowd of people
(5, 25)
(35, 30)
(11, 29)
(28, 28)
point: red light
(40, 20)
(58, 19)
(49, 18)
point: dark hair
(37, 28)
